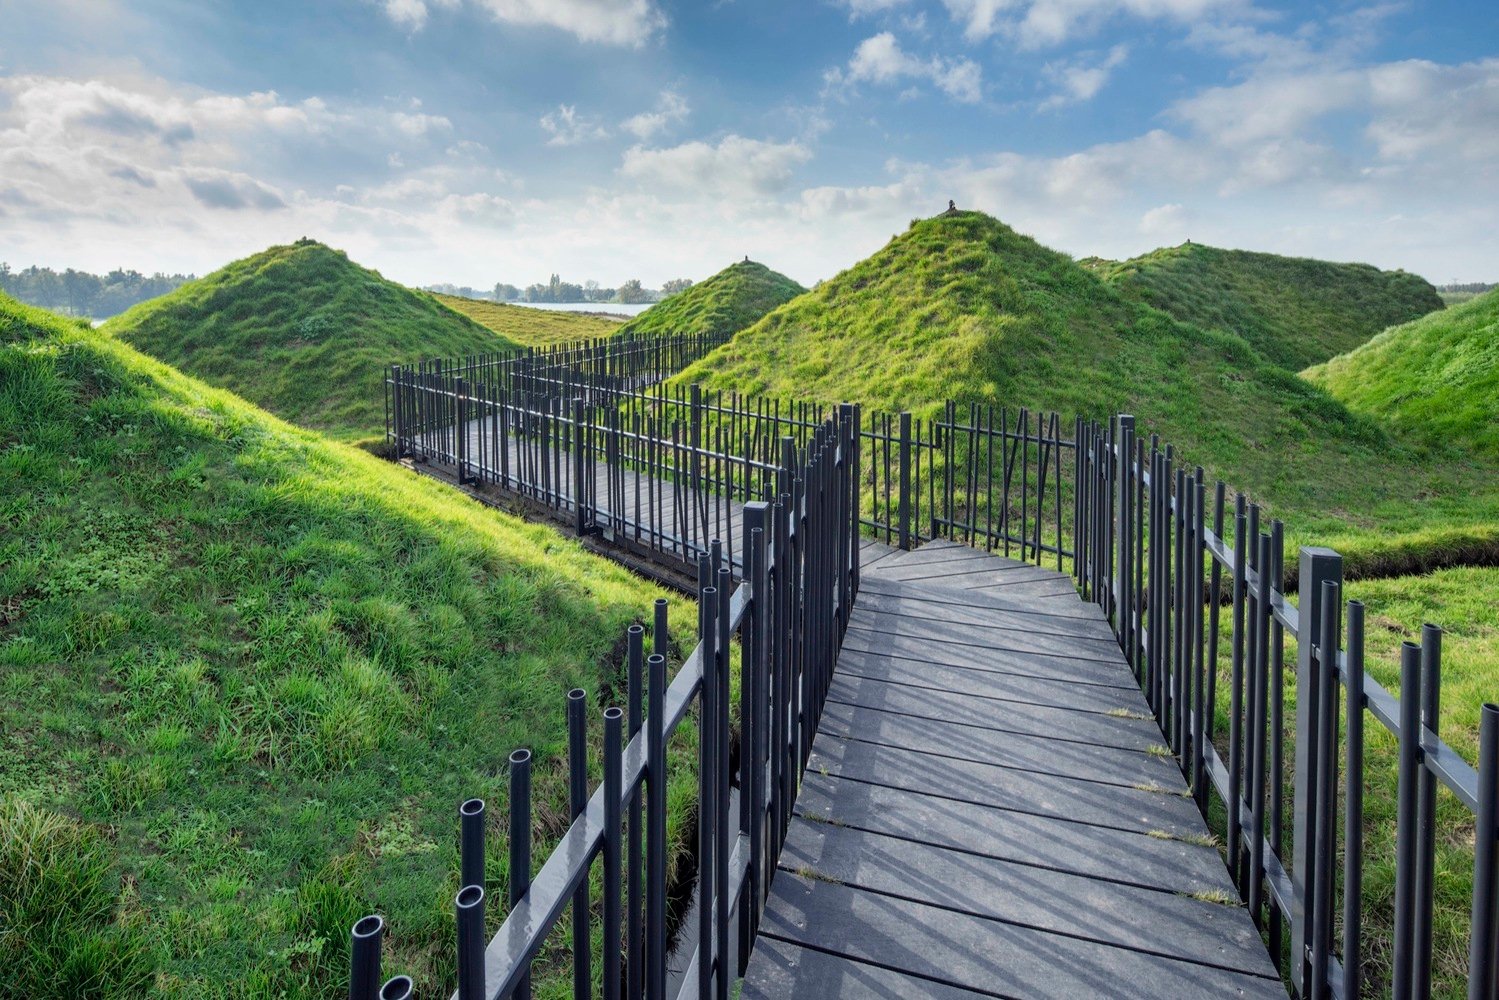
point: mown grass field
(1294, 311)
(248, 674)
(530, 327)
(727, 302)
(1436, 379)
(303, 332)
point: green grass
(962, 307)
(302, 331)
(246, 676)
(531, 327)
(1293, 310)
(726, 303)
(1436, 378)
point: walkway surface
(989, 811)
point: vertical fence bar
(471, 849)
(634, 914)
(364, 952)
(707, 775)
(1483, 945)
(613, 785)
(1353, 807)
(577, 765)
(1426, 833)
(905, 481)
(1407, 794)
(469, 907)
(520, 841)
(1317, 567)
(655, 840)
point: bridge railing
(1167, 558)
(798, 578)
(662, 468)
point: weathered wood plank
(982, 954)
(1149, 920)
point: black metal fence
(673, 470)
(1154, 552)
(664, 469)
(799, 574)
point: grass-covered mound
(254, 671)
(1436, 378)
(726, 303)
(531, 327)
(1295, 311)
(302, 331)
(962, 307)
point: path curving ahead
(989, 811)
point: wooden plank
(779, 969)
(1013, 716)
(984, 571)
(978, 683)
(1096, 851)
(1058, 606)
(988, 955)
(1149, 920)
(1023, 640)
(918, 652)
(1076, 800)
(910, 604)
(1034, 753)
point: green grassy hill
(247, 674)
(963, 307)
(1436, 378)
(302, 331)
(1293, 310)
(727, 302)
(532, 327)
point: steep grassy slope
(1436, 378)
(531, 327)
(727, 302)
(962, 307)
(302, 331)
(251, 673)
(1293, 310)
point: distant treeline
(557, 290)
(1467, 286)
(80, 293)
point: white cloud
(610, 22)
(735, 167)
(863, 8)
(880, 59)
(1037, 23)
(1078, 80)
(1165, 223)
(568, 128)
(671, 107)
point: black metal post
(364, 952)
(520, 842)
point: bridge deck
(988, 810)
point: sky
(479, 141)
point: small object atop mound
(952, 207)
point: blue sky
(477, 141)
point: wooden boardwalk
(988, 810)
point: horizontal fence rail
(1154, 553)
(797, 584)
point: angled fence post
(1318, 566)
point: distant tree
(82, 291)
(631, 293)
(505, 293)
(674, 286)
